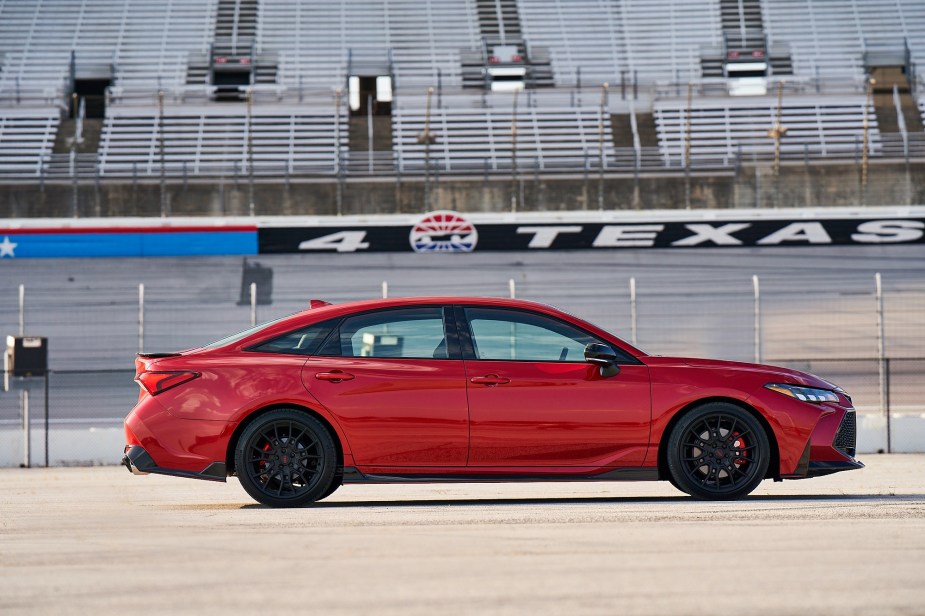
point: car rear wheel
(337, 482)
(718, 451)
(286, 458)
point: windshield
(244, 334)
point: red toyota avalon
(472, 389)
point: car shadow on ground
(596, 500)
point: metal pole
(26, 430)
(600, 137)
(337, 170)
(253, 304)
(385, 289)
(250, 153)
(512, 288)
(160, 132)
(426, 136)
(141, 317)
(22, 310)
(687, 128)
(778, 131)
(870, 88)
(514, 154)
(46, 420)
(369, 130)
(687, 148)
(633, 329)
(757, 287)
(75, 198)
(881, 343)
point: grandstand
(105, 91)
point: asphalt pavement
(99, 540)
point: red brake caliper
(739, 443)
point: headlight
(806, 394)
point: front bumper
(139, 462)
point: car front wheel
(286, 458)
(718, 451)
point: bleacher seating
(723, 128)
(659, 39)
(313, 38)
(830, 37)
(147, 41)
(26, 139)
(213, 140)
(480, 139)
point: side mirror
(602, 356)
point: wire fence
(831, 323)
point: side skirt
(353, 475)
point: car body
(472, 389)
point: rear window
(244, 334)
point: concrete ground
(98, 540)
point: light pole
(864, 154)
(250, 151)
(160, 131)
(514, 154)
(778, 130)
(426, 138)
(600, 154)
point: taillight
(159, 382)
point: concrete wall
(751, 187)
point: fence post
(26, 429)
(253, 304)
(633, 329)
(46, 419)
(881, 356)
(385, 289)
(141, 317)
(22, 310)
(757, 288)
(512, 288)
(889, 430)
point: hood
(773, 373)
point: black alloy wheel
(286, 458)
(718, 451)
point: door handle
(335, 376)
(490, 379)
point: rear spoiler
(157, 355)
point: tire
(337, 482)
(286, 458)
(718, 451)
(676, 485)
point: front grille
(846, 437)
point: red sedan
(472, 389)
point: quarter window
(510, 335)
(304, 341)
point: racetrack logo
(443, 231)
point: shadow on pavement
(592, 500)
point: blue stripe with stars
(130, 244)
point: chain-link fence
(829, 320)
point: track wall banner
(452, 232)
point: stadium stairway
(499, 23)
